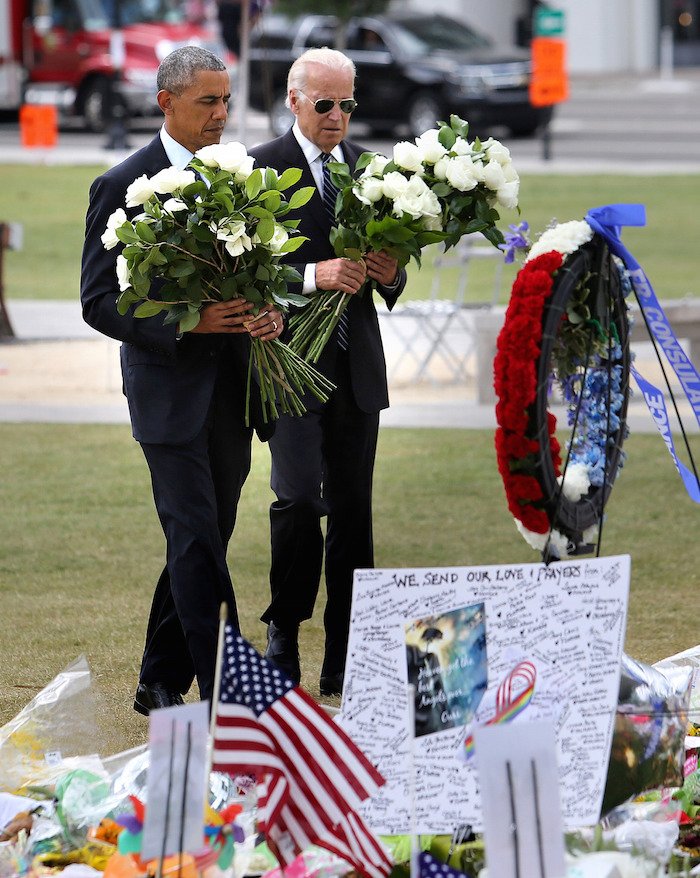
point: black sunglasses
(325, 105)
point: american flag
(430, 867)
(311, 777)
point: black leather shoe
(332, 684)
(283, 650)
(154, 696)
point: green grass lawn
(81, 548)
(50, 202)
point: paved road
(625, 123)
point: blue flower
(516, 239)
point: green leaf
(223, 198)
(266, 229)
(272, 199)
(301, 197)
(149, 309)
(262, 273)
(126, 234)
(293, 244)
(364, 160)
(203, 233)
(447, 137)
(253, 184)
(189, 320)
(229, 288)
(288, 178)
(459, 126)
(181, 269)
(354, 254)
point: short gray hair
(178, 69)
(331, 58)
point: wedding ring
(274, 325)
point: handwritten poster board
(482, 645)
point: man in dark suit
(186, 395)
(322, 463)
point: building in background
(603, 36)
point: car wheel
(281, 117)
(423, 113)
(95, 103)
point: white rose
(123, 273)
(368, 190)
(493, 175)
(109, 237)
(167, 180)
(376, 165)
(394, 184)
(232, 157)
(440, 169)
(430, 147)
(174, 205)
(461, 173)
(417, 200)
(408, 156)
(433, 223)
(139, 191)
(235, 238)
(462, 147)
(507, 195)
(496, 151)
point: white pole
(223, 615)
(411, 693)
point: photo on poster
(446, 665)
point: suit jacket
(168, 383)
(365, 350)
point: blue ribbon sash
(607, 221)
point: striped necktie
(330, 192)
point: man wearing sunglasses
(322, 463)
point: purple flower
(516, 239)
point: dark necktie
(330, 193)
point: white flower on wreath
(418, 200)
(170, 179)
(430, 147)
(232, 157)
(575, 481)
(235, 237)
(409, 157)
(123, 273)
(565, 238)
(109, 236)
(139, 191)
(555, 540)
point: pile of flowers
(586, 364)
(438, 188)
(211, 233)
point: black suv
(412, 69)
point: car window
(421, 35)
(366, 39)
(319, 36)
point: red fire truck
(71, 53)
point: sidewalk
(59, 370)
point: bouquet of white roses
(438, 188)
(214, 241)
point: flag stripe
(311, 777)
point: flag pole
(223, 616)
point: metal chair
(442, 329)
